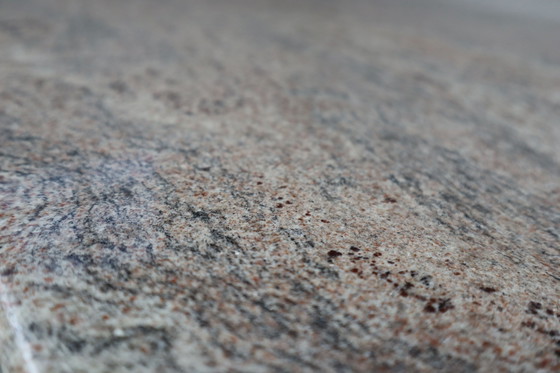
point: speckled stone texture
(279, 186)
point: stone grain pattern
(278, 186)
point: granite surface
(279, 186)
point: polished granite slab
(279, 186)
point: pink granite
(279, 186)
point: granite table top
(279, 186)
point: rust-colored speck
(389, 199)
(429, 308)
(57, 307)
(334, 253)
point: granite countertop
(279, 186)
